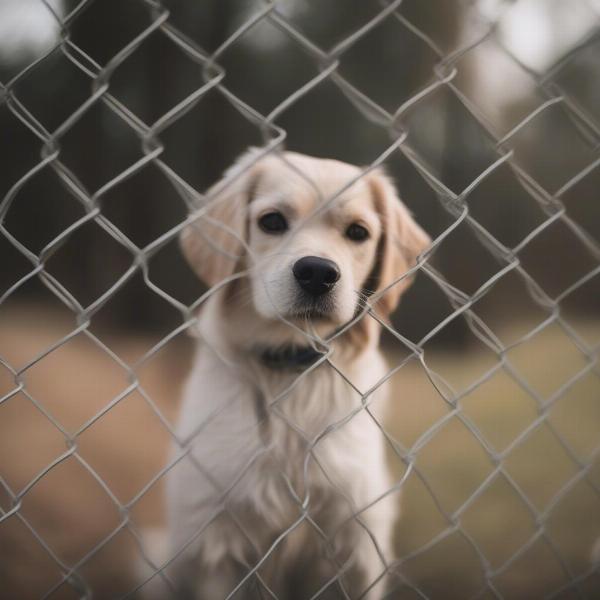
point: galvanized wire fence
(396, 124)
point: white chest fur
(276, 442)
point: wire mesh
(398, 127)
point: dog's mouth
(310, 315)
(313, 309)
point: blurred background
(113, 112)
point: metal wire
(443, 77)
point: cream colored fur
(278, 469)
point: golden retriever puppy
(279, 487)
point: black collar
(289, 358)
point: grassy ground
(126, 447)
(540, 476)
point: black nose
(316, 275)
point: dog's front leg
(219, 582)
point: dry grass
(127, 446)
(454, 464)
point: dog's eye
(357, 233)
(273, 222)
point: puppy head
(312, 243)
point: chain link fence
(497, 445)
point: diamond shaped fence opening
(116, 117)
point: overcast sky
(27, 29)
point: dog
(279, 486)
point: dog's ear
(401, 242)
(214, 242)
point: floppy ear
(213, 243)
(401, 241)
